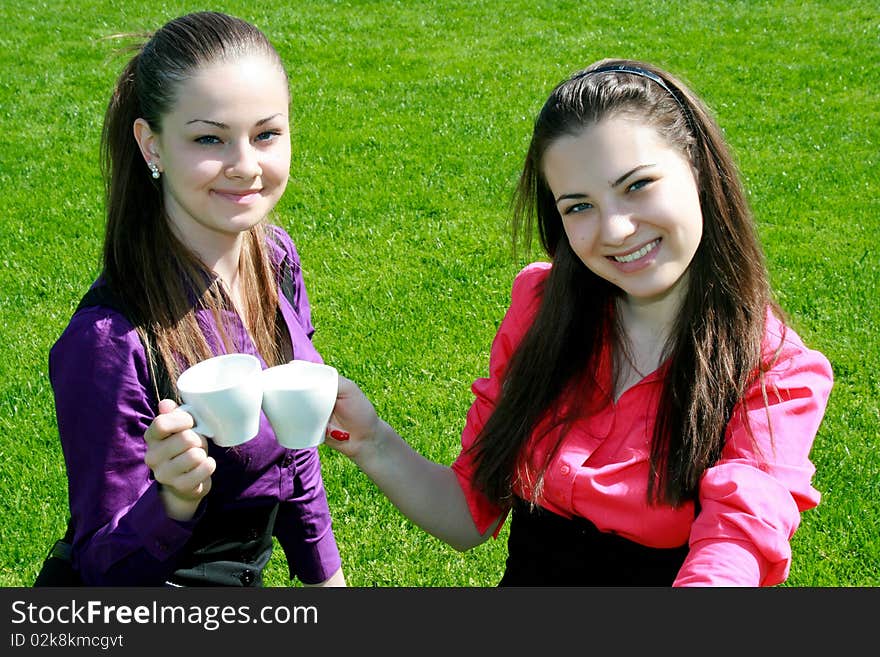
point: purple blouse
(99, 375)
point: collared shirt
(750, 499)
(99, 374)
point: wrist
(176, 506)
(373, 447)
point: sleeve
(752, 498)
(100, 380)
(303, 526)
(525, 297)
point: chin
(247, 220)
(655, 292)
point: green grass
(411, 122)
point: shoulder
(281, 246)
(525, 298)
(99, 349)
(787, 355)
(97, 327)
(528, 284)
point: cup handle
(199, 426)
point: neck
(646, 325)
(222, 256)
(226, 267)
(642, 318)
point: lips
(240, 197)
(638, 253)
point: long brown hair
(161, 281)
(715, 347)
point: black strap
(286, 278)
(288, 286)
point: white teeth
(641, 253)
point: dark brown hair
(161, 281)
(714, 350)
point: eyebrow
(613, 184)
(223, 126)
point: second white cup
(298, 399)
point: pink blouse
(750, 500)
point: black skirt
(545, 549)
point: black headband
(635, 70)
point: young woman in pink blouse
(648, 414)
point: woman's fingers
(186, 471)
(167, 424)
(164, 450)
(198, 475)
(337, 434)
(166, 405)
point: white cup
(298, 399)
(224, 396)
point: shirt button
(564, 470)
(288, 459)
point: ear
(147, 140)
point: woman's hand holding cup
(178, 458)
(354, 423)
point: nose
(617, 225)
(243, 161)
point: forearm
(723, 563)
(141, 548)
(425, 492)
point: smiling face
(224, 149)
(629, 205)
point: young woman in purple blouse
(196, 152)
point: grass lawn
(411, 120)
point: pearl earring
(154, 168)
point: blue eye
(268, 135)
(207, 140)
(639, 184)
(578, 207)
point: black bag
(57, 568)
(231, 550)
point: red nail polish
(336, 434)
